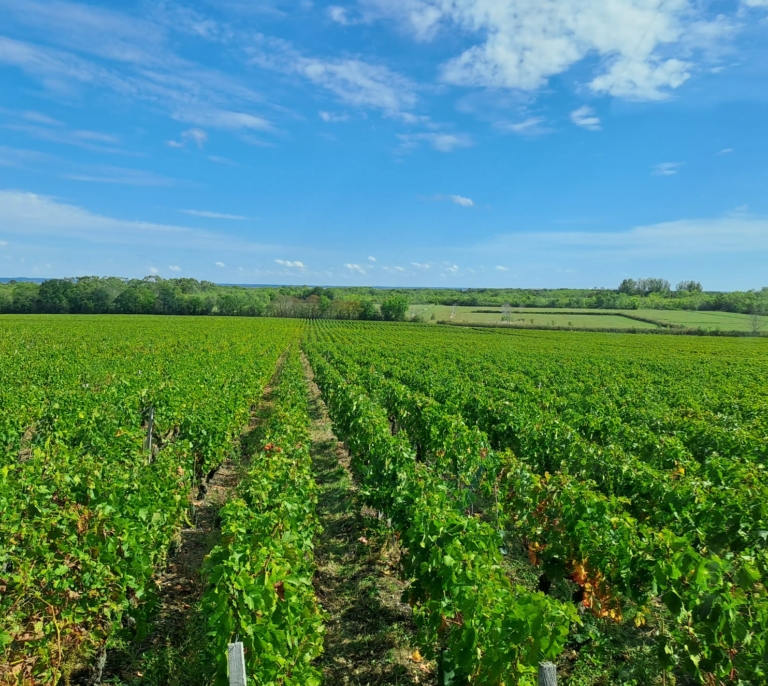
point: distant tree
(645, 286)
(368, 310)
(394, 308)
(314, 306)
(628, 287)
(652, 285)
(130, 301)
(52, 295)
(689, 287)
(25, 297)
(283, 306)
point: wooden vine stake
(547, 674)
(236, 663)
(150, 427)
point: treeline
(154, 295)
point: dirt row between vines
(369, 631)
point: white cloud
(528, 127)
(220, 264)
(453, 269)
(223, 119)
(643, 46)
(353, 81)
(460, 200)
(174, 267)
(153, 270)
(502, 269)
(197, 136)
(339, 15)
(355, 268)
(726, 151)
(332, 116)
(3, 243)
(585, 117)
(755, 3)
(289, 263)
(371, 258)
(666, 168)
(442, 142)
(421, 265)
(213, 215)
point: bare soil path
(369, 631)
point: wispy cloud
(355, 268)
(332, 116)
(214, 215)
(94, 141)
(39, 218)
(726, 151)
(666, 168)
(442, 142)
(92, 48)
(502, 269)
(33, 215)
(455, 199)
(221, 160)
(461, 200)
(19, 157)
(197, 136)
(532, 126)
(223, 119)
(734, 233)
(371, 258)
(339, 15)
(585, 117)
(219, 264)
(354, 81)
(39, 118)
(174, 267)
(421, 265)
(290, 263)
(119, 176)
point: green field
(724, 321)
(577, 319)
(590, 319)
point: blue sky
(521, 143)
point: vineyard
(595, 500)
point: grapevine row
(259, 577)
